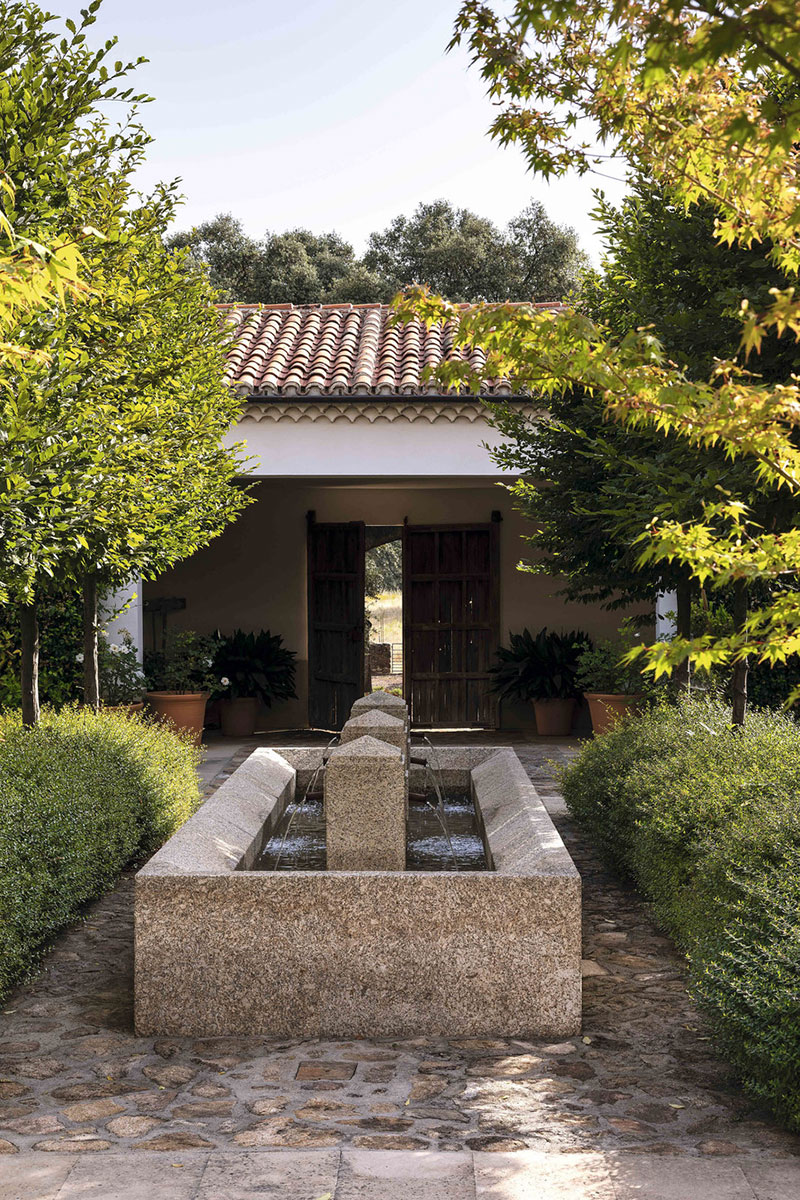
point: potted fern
(250, 668)
(542, 669)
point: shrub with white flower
(78, 658)
(121, 677)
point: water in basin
(427, 849)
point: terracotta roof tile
(338, 350)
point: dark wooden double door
(450, 622)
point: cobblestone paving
(642, 1079)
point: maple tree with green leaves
(705, 98)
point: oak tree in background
(451, 250)
(466, 257)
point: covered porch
(294, 564)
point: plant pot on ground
(250, 669)
(542, 669)
(179, 680)
(122, 681)
(613, 687)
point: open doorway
(440, 624)
(383, 608)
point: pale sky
(325, 114)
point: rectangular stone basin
(223, 949)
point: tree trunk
(29, 666)
(739, 682)
(91, 670)
(683, 672)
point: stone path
(389, 1175)
(638, 1101)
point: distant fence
(397, 658)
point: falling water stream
(443, 832)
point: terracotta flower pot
(127, 710)
(554, 717)
(607, 708)
(185, 710)
(238, 716)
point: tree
(593, 486)
(706, 100)
(113, 462)
(383, 569)
(465, 257)
(451, 249)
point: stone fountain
(366, 947)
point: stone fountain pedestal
(365, 806)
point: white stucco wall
(130, 599)
(351, 440)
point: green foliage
(663, 267)
(705, 99)
(767, 686)
(465, 257)
(592, 486)
(112, 428)
(454, 251)
(703, 95)
(60, 631)
(184, 665)
(603, 667)
(543, 667)
(121, 677)
(81, 795)
(383, 569)
(704, 817)
(296, 266)
(253, 664)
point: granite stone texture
(377, 724)
(384, 702)
(224, 951)
(365, 806)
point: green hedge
(81, 795)
(706, 820)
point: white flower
(209, 662)
(78, 658)
(225, 681)
(114, 648)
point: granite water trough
(222, 948)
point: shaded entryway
(451, 608)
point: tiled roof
(337, 350)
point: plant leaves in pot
(613, 687)
(542, 669)
(250, 668)
(179, 679)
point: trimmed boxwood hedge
(81, 795)
(705, 818)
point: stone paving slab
(393, 1175)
